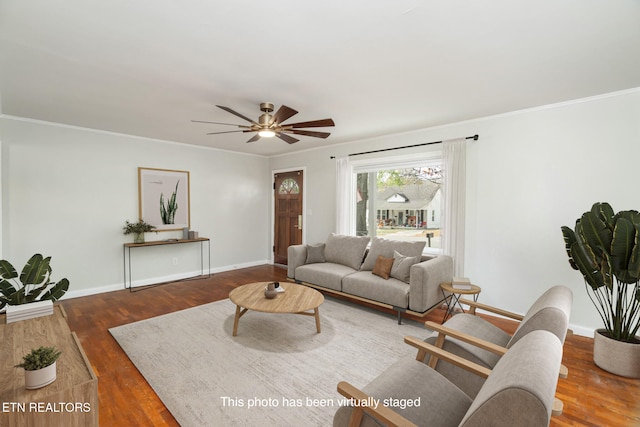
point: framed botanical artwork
(163, 197)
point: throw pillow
(315, 254)
(345, 250)
(386, 248)
(383, 267)
(402, 266)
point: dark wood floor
(591, 396)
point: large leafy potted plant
(605, 248)
(33, 284)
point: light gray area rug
(277, 372)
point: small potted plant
(138, 229)
(39, 367)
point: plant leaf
(634, 260)
(596, 233)
(569, 239)
(622, 244)
(7, 271)
(633, 216)
(57, 291)
(35, 270)
(604, 211)
(584, 260)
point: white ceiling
(147, 67)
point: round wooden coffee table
(296, 299)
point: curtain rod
(474, 137)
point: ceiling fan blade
(229, 131)
(310, 133)
(218, 123)
(311, 124)
(235, 113)
(286, 138)
(254, 138)
(282, 114)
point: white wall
(68, 191)
(530, 173)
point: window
(398, 199)
(289, 186)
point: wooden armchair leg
(564, 371)
(356, 417)
(557, 407)
(433, 360)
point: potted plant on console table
(605, 248)
(138, 229)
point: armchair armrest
(470, 339)
(443, 331)
(439, 353)
(476, 305)
(382, 413)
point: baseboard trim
(155, 280)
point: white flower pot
(40, 378)
(618, 357)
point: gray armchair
(476, 339)
(519, 391)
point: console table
(126, 254)
(71, 400)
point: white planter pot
(618, 357)
(40, 377)
(15, 313)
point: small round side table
(454, 298)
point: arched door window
(289, 186)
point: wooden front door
(288, 213)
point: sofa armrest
(297, 256)
(425, 279)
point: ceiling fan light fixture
(267, 133)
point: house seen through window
(403, 203)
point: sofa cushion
(386, 248)
(402, 266)
(326, 274)
(383, 267)
(366, 285)
(315, 253)
(345, 250)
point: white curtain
(454, 194)
(343, 195)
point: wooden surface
(591, 396)
(294, 299)
(448, 287)
(164, 242)
(72, 397)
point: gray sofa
(389, 273)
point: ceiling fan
(270, 125)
